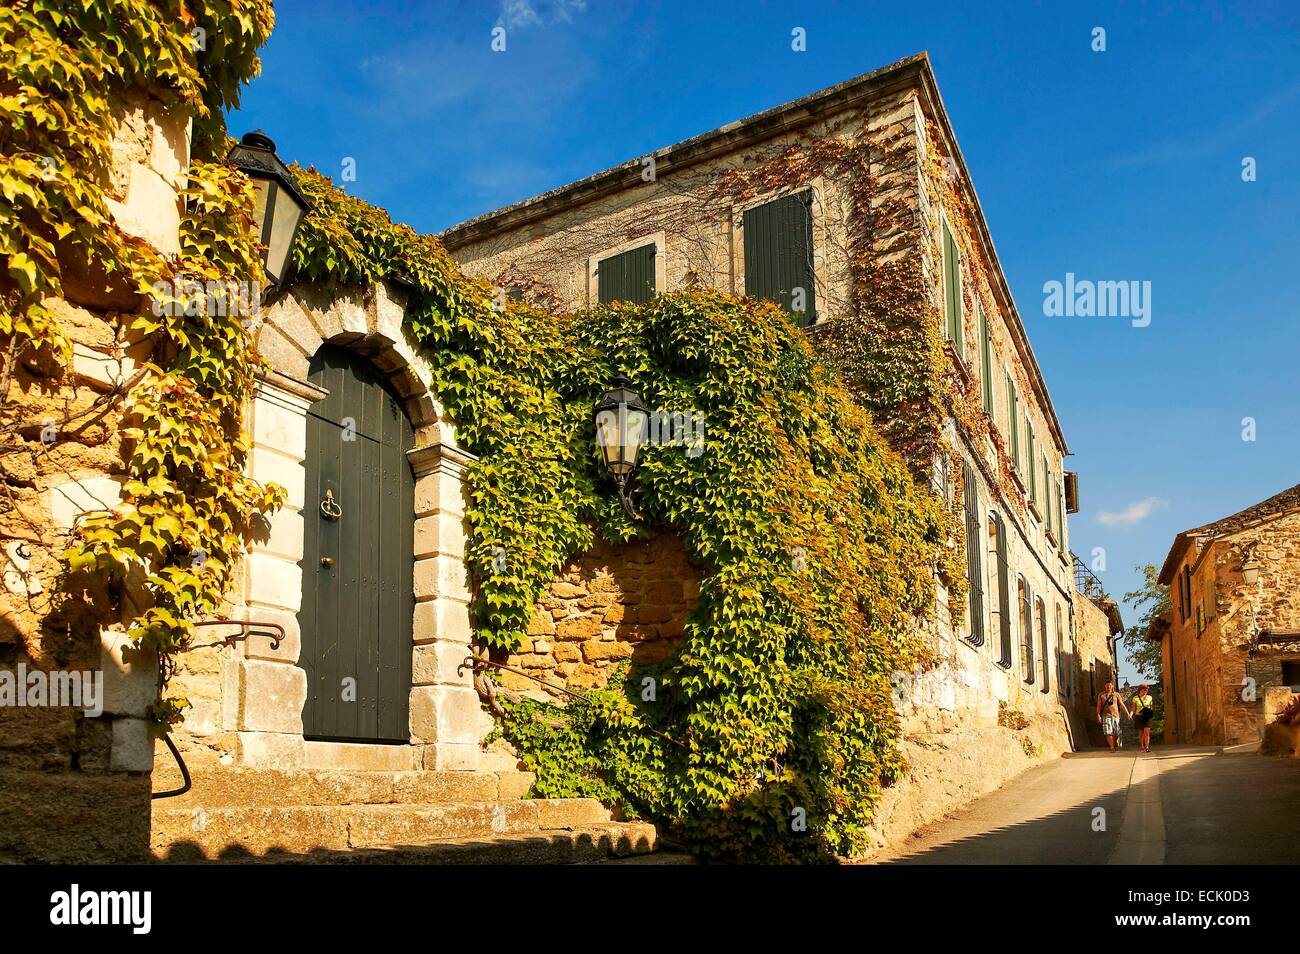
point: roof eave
(914, 70)
(785, 117)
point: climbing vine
(817, 546)
(169, 547)
(816, 542)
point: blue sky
(1117, 165)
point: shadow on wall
(66, 794)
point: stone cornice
(439, 458)
(275, 383)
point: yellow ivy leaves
(67, 69)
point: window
(1029, 464)
(1185, 591)
(1063, 660)
(986, 363)
(1060, 516)
(974, 572)
(1047, 495)
(1044, 650)
(1026, 632)
(629, 276)
(1291, 673)
(779, 255)
(1000, 578)
(952, 291)
(1210, 595)
(1013, 421)
(941, 482)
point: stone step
(221, 787)
(200, 832)
(585, 845)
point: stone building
(1230, 646)
(810, 204)
(287, 748)
(75, 786)
(1097, 624)
(286, 753)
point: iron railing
(1085, 581)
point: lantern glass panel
(619, 433)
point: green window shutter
(1004, 593)
(986, 368)
(1029, 462)
(629, 276)
(779, 255)
(1060, 518)
(1013, 420)
(952, 290)
(974, 571)
(1047, 500)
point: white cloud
(516, 14)
(1131, 515)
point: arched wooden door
(358, 556)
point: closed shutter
(1029, 463)
(1004, 591)
(629, 276)
(1044, 648)
(1013, 420)
(1026, 632)
(1047, 492)
(952, 290)
(1060, 517)
(986, 368)
(779, 255)
(975, 576)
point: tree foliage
(1152, 599)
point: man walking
(1109, 704)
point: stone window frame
(1025, 607)
(945, 225)
(660, 242)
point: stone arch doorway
(358, 554)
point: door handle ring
(329, 508)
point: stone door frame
(263, 689)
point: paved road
(1176, 805)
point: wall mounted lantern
(621, 424)
(281, 205)
(1250, 570)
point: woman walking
(1143, 712)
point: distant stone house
(1231, 642)
(769, 207)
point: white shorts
(1110, 725)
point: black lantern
(281, 206)
(621, 425)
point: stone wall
(618, 603)
(1094, 666)
(1211, 672)
(951, 716)
(74, 787)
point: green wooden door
(358, 556)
